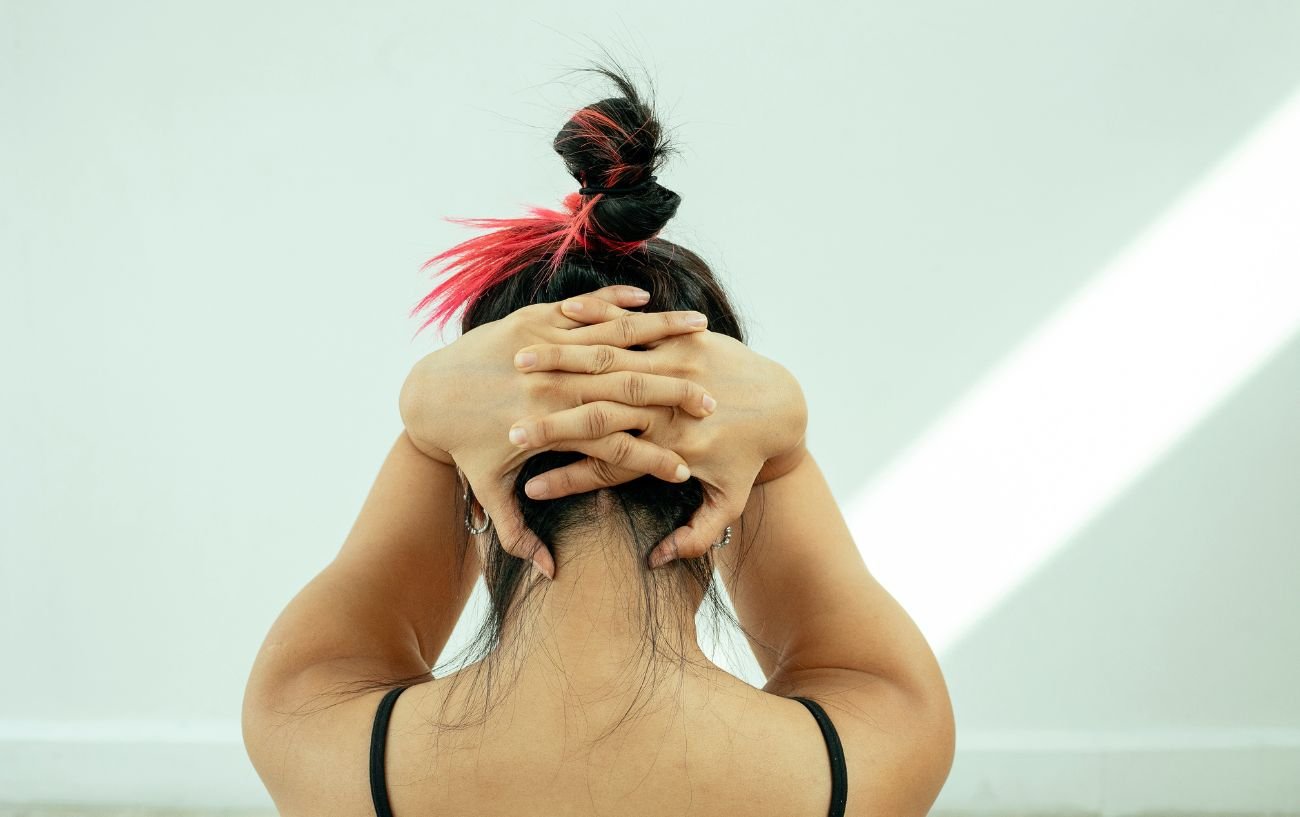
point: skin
(585, 391)
(707, 741)
(755, 430)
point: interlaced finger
(620, 457)
(589, 421)
(706, 526)
(597, 359)
(635, 389)
(613, 298)
(577, 478)
(515, 536)
(618, 327)
(637, 328)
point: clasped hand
(554, 376)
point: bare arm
(804, 587)
(838, 636)
(387, 603)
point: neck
(594, 626)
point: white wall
(213, 218)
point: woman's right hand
(755, 433)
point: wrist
(419, 413)
(432, 452)
(793, 419)
(782, 464)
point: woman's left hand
(459, 402)
(756, 433)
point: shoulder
(898, 744)
(311, 745)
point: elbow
(941, 745)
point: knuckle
(680, 365)
(603, 472)
(602, 360)
(551, 385)
(622, 448)
(536, 385)
(561, 481)
(597, 420)
(541, 431)
(634, 389)
(626, 328)
(549, 356)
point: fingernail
(709, 403)
(518, 436)
(696, 319)
(683, 473)
(572, 306)
(535, 487)
(640, 295)
(657, 559)
(542, 572)
(525, 359)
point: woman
(601, 461)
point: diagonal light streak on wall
(1096, 395)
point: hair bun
(616, 145)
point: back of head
(607, 234)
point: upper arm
(389, 600)
(800, 585)
(382, 609)
(898, 746)
(311, 750)
(302, 719)
(827, 630)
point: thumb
(694, 539)
(519, 540)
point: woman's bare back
(711, 746)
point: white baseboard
(203, 765)
(1117, 774)
(198, 764)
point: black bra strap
(378, 735)
(839, 774)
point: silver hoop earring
(469, 518)
(725, 540)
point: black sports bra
(379, 735)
